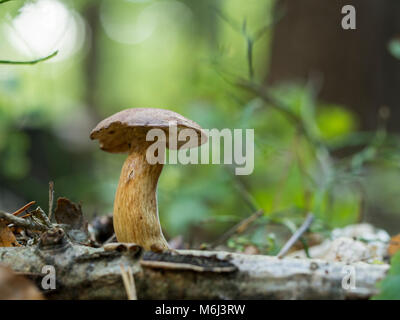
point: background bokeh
(188, 56)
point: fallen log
(94, 273)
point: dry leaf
(69, 213)
(394, 245)
(16, 287)
(74, 224)
(7, 238)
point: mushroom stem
(135, 206)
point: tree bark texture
(88, 273)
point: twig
(274, 103)
(250, 45)
(244, 193)
(25, 207)
(41, 216)
(296, 236)
(129, 282)
(30, 62)
(51, 198)
(4, 1)
(20, 222)
(239, 228)
(26, 215)
(250, 39)
(110, 239)
(246, 196)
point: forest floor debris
(90, 269)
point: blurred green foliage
(185, 56)
(389, 287)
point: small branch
(297, 235)
(25, 207)
(40, 217)
(250, 43)
(129, 282)
(26, 215)
(113, 238)
(241, 188)
(4, 1)
(264, 95)
(51, 198)
(239, 228)
(29, 62)
(246, 196)
(20, 222)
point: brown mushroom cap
(120, 131)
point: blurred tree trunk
(355, 66)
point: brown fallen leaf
(70, 216)
(394, 245)
(69, 213)
(7, 238)
(17, 287)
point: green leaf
(390, 286)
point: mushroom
(135, 206)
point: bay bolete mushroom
(135, 206)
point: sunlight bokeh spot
(44, 26)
